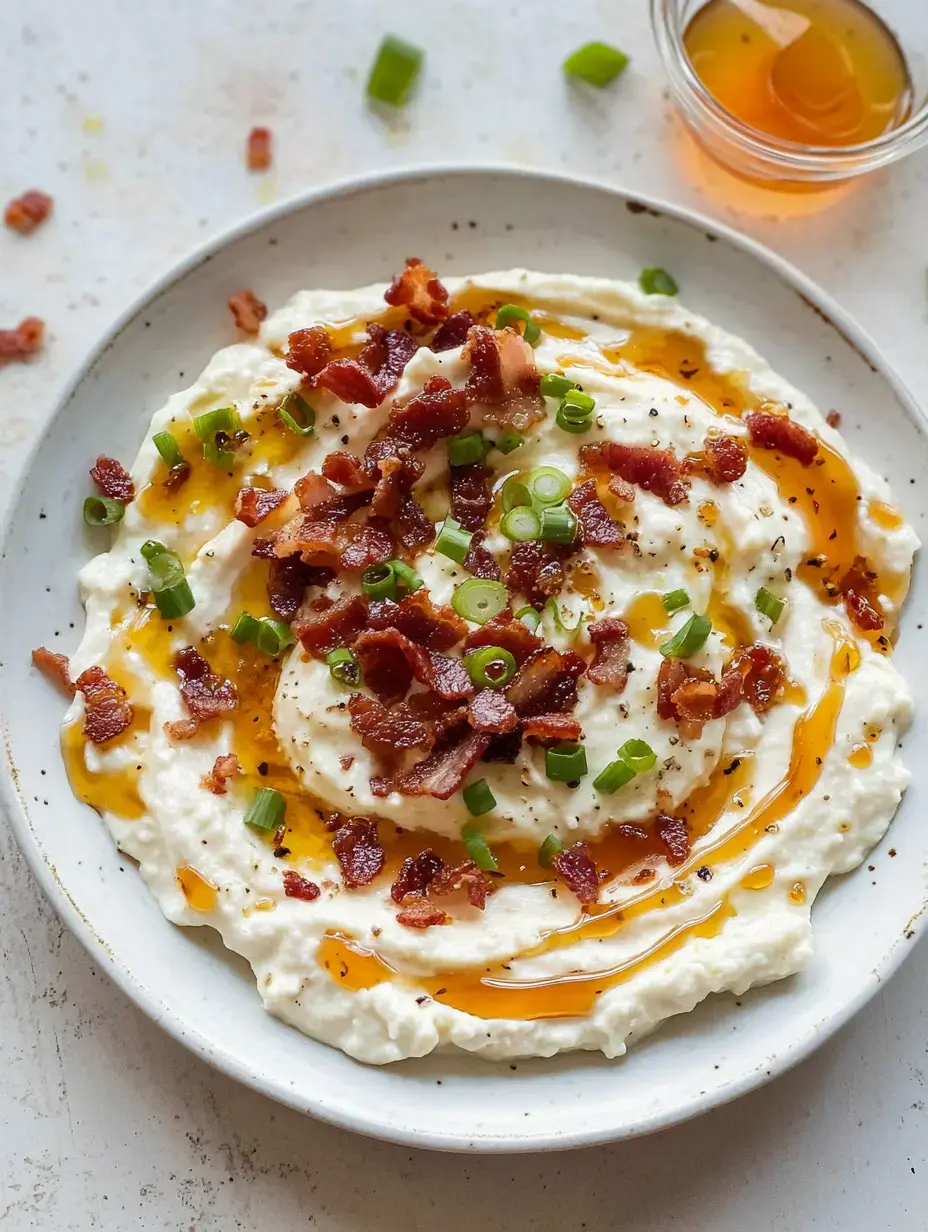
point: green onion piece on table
(553, 385)
(510, 441)
(394, 71)
(379, 581)
(169, 450)
(674, 600)
(529, 617)
(266, 811)
(565, 763)
(297, 415)
(453, 540)
(639, 755)
(688, 639)
(344, 667)
(551, 847)
(769, 605)
(167, 580)
(406, 576)
(510, 313)
(103, 511)
(558, 525)
(245, 629)
(521, 524)
(657, 282)
(479, 599)
(469, 447)
(614, 776)
(598, 64)
(490, 667)
(548, 486)
(477, 847)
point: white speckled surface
(134, 118)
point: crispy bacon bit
(673, 834)
(672, 676)
(464, 876)
(610, 666)
(480, 561)
(504, 749)
(375, 373)
(416, 874)
(726, 458)
(418, 912)
(503, 378)
(413, 528)
(503, 630)
(860, 599)
(258, 149)
(206, 695)
(299, 887)
(335, 626)
(470, 495)
(397, 475)
(368, 545)
(263, 548)
(224, 767)
(384, 731)
(622, 491)
(350, 382)
(23, 341)
(308, 350)
(247, 311)
(418, 289)
(253, 505)
(489, 711)
(453, 333)
(317, 496)
(655, 470)
(345, 469)
(575, 865)
(763, 675)
(55, 668)
(359, 851)
(696, 703)
(551, 727)
(437, 411)
(442, 772)
(546, 683)
(25, 213)
(390, 661)
(417, 617)
(181, 729)
(783, 434)
(287, 581)
(323, 541)
(536, 570)
(833, 419)
(112, 479)
(596, 527)
(107, 712)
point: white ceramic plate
(460, 221)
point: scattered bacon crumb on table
(259, 149)
(24, 214)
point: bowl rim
(129, 982)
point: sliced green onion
(558, 525)
(566, 424)
(273, 637)
(638, 754)
(510, 441)
(210, 427)
(551, 606)
(152, 548)
(674, 600)
(266, 811)
(548, 486)
(688, 639)
(477, 847)
(490, 667)
(407, 576)
(598, 64)
(479, 599)
(394, 71)
(175, 601)
(510, 313)
(767, 604)
(565, 763)
(577, 404)
(245, 629)
(169, 450)
(103, 511)
(614, 776)
(515, 495)
(657, 282)
(469, 447)
(551, 847)
(168, 580)
(453, 540)
(344, 667)
(379, 581)
(521, 524)
(297, 415)
(553, 385)
(479, 800)
(529, 617)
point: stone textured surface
(134, 118)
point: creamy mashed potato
(774, 802)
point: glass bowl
(757, 156)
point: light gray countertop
(134, 116)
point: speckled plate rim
(129, 982)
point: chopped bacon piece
(247, 311)
(547, 727)
(730, 694)
(610, 666)
(480, 561)
(263, 548)
(503, 630)
(489, 711)
(655, 470)
(672, 676)
(107, 712)
(695, 702)
(384, 731)
(350, 382)
(833, 419)
(575, 865)
(464, 876)
(359, 851)
(181, 729)
(253, 505)
(857, 587)
(546, 683)
(353, 545)
(390, 660)
(470, 495)
(25, 213)
(442, 772)
(437, 411)
(413, 528)
(224, 767)
(335, 626)
(416, 874)
(783, 434)
(504, 749)
(287, 581)
(112, 479)
(397, 475)
(418, 912)
(308, 350)
(317, 496)
(503, 378)
(763, 675)
(726, 458)
(375, 373)
(367, 545)
(536, 570)
(299, 887)
(673, 834)
(453, 333)
(206, 695)
(23, 341)
(596, 527)
(417, 617)
(418, 289)
(54, 667)
(258, 149)
(448, 717)
(485, 382)
(621, 490)
(345, 469)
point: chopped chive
(103, 511)
(406, 576)
(379, 581)
(479, 599)
(558, 524)
(266, 811)
(490, 667)
(614, 776)
(169, 450)
(674, 600)
(638, 754)
(598, 64)
(769, 605)
(479, 799)
(553, 385)
(453, 540)
(515, 494)
(394, 71)
(657, 281)
(551, 847)
(688, 639)
(477, 847)
(565, 763)
(510, 313)
(344, 667)
(548, 486)
(510, 441)
(273, 637)
(469, 447)
(529, 617)
(521, 524)
(297, 415)
(168, 580)
(245, 629)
